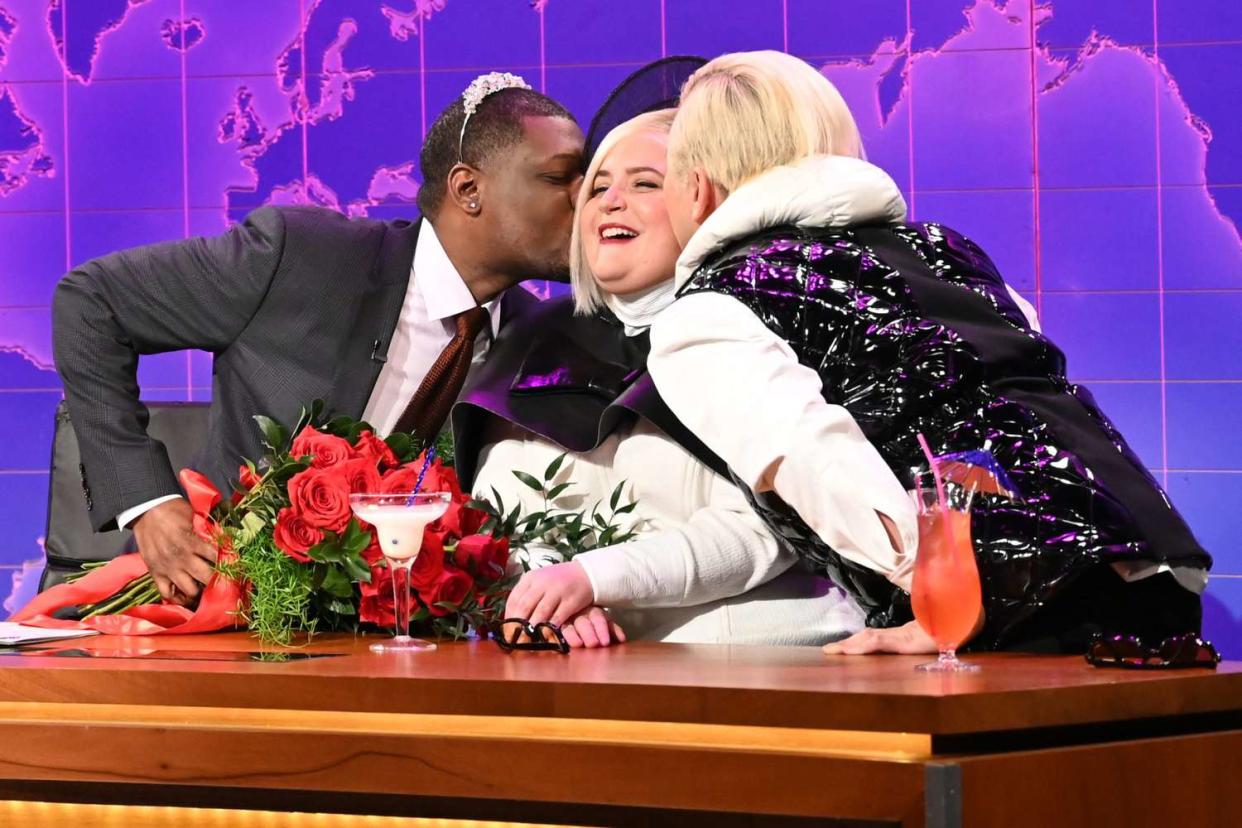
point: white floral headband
(480, 88)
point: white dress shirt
(436, 293)
(703, 567)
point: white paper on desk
(13, 634)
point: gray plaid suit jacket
(296, 304)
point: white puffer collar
(821, 191)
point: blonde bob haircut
(747, 112)
(588, 298)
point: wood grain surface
(644, 734)
(796, 687)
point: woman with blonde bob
(815, 336)
(702, 567)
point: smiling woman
(701, 567)
(623, 247)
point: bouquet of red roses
(293, 557)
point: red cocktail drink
(946, 595)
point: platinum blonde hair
(747, 112)
(588, 298)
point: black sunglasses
(1128, 652)
(519, 634)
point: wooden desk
(644, 734)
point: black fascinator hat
(655, 86)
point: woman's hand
(551, 593)
(592, 628)
(907, 639)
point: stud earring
(473, 206)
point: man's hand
(907, 639)
(592, 628)
(551, 593)
(180, 562)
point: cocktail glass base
(402, 644)
(948, 663)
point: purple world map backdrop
(1093, 147)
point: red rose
(376, 606)
(376, 450)
(360, 475)
(429, 564)
(325, 449)
(372, 554)
(482, 555)
(376, 586)
(471, 520)
(439, 478)
(458, 520)
(431, 480)
(321, 498)
(446, 480)
(294, 536)
(400, 480)
(449, 523)
(247, 477)
(452, 588)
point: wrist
(583, 576)
(130, 518)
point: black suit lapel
(364, 354)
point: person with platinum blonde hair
(701, 567)
(816, 337)
(589, 297)
(803, 115)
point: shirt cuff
(124, 519)
(605, 569)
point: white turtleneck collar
(636, 311)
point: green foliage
(402, 445)
(281, 589)
(312, 415)
(529, 480)
(445, 448)
(346, 550)
(567, 531)
(346, 427)
(275, 436)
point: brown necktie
(429, 407)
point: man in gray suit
(300, 303)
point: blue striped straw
(418, 484)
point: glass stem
(401, 594)
(948, 656)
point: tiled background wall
(1093, 147)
